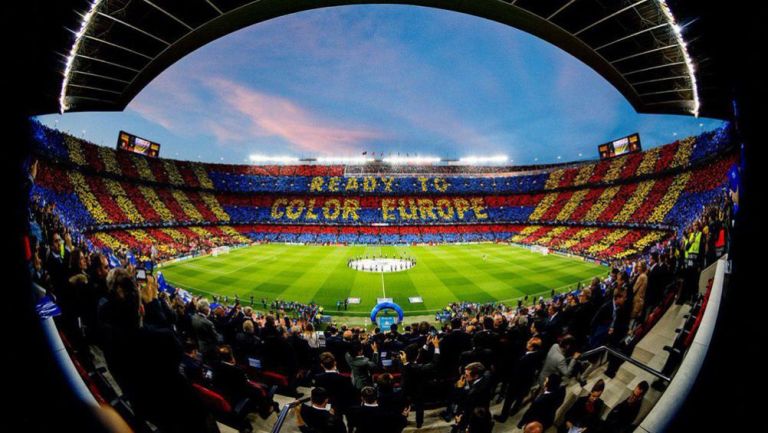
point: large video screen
(621, 146)
(132, 143)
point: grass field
(443, 274)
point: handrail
(284, 413)
(623, 357)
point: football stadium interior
(384, 293)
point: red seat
(213, 400)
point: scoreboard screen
(622, 146)
(132, 143)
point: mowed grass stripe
(443, 274)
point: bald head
(533, 427)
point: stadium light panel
(471, 160)
(273, 159)
(63, 106)
(411, 160)
(678, 30)
(344, 159)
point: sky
(379, 78)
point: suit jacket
(478, 394)
(341, 393)
(451, 348)
(555, 362)
(205, 333)
(321, 421)
(361, 368)
(375, 419)
(543, 408)
(414, 377)
(525, 373)
(580, 414)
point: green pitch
(443, 274)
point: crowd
(166, 350)
(159, 346)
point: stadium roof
(108, 50)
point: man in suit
(318, 416)
(585, 413)
(415, 374)
(622, 416)
(618, 332)
(203, 330)
(360, 366)
(476, 392)
(452, 346)
(341, 393)
(545, 406)
(371, 418)
(556, 360)
(522, 378)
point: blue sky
(343, 80)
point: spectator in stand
(390, 398)
(617, 332)
(475, 392)
(533, 427)
(621, 417)
(56, 265)
(145, 363)
(557, 362)
(231, 382)
(247, 343)
(341, 392)
(157, 310)
(192, 363)
(523, 377)
(453, 344)
(638, 296)
(362, 367)
(543, 408)
(415, 373)
(318, 417)
(369, 417)
(204, 331)
(585, 413)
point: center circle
(381, 264)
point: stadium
(320, 286)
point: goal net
(540, 249)
(220, 250)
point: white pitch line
(383, 291)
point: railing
(284, 413)
(613, 352)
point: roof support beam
(169, 15)
(671, 101)
(677, 77)
(632, 56)
(80, 86)
(216, 8)
(562, 8)
(665, 65)
(108, 101)
(132, 27)
(111, 44)
(91, 74)
(95, 59)
(610, 16)
(649, 29)
(666, 91)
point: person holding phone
(415, 374)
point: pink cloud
(270, 115)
